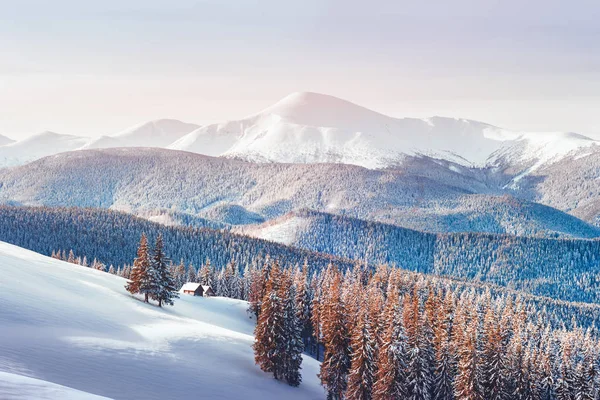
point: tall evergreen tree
(336, 363)
(391, 380)
(467, 381)
(164, 286)
(269, 332)
(362, 366)
(140, 282)
(293, 345)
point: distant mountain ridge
(158, 133)
(307, 127)
(5, 140)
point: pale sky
(96, 67)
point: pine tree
(493, 367)
(179, 275)
(420, 353)
(191, 273)
(293, 345)
(362, 367)
(71, 258)
(444, 361)
(467, 382)
(268, 333)
(336, 363)
(164, 285)
(205, 274)
(391, 379)
(258, 286)
(140, 282)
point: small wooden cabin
(196, 289)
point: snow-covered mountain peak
(38, 146)
(157, 133)
(321, 110)
(5, 140)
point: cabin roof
(191, 286)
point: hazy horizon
(96, 69)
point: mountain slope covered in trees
(112, 237)
(424, 194)
(560, 268)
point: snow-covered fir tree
(164, 287)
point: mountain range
(307, 127)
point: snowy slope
(18, 387)
(310, 127)
(158, 133)
(5, 140)
(38, 146)
(77, 327)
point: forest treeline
(392, 335)
(564, 269)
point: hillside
(17, 387)
(560, 268)
(112, 237)
(424, 194)
(78, 327)
(564, 269)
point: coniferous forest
(381, 332)
(565, 269)
(386, 333)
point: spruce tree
(268, 332)
(191, 273)
(336, 363)
(362, 367)
(467, 382)
(71, 258)
(164, 285)
(493, 359)
(139, 280)
(293, 344)
(391, 379)
(420, 354)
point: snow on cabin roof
(190, 286)
(205, 287)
